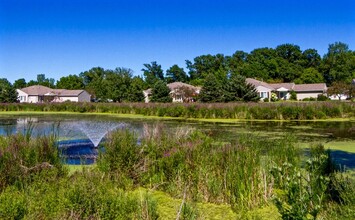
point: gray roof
(288, 86)
(43, 90)
(257, 83)
(36, 90)
(322, 87)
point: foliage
(339, 63)
(70, 82)
(212, 90)
(339, 89)
(176, 74)
(8, 93)
(263, 111)
(196, 172)
(293, 95)
(310, 75)
(152, 73)
(304, 194)
(238, 89)
(160, 92)
(322, 97)
(20, 83)
(274, 97)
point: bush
(293, 95)
(322, 97)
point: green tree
(176, 74)
(41, 78)
(205, 65)
(311, 58)
(236, 62)
(290, 52)
(118, 84)
(211, 90)
(338, 64)
(310, 75)
(32, 83)
(8, 93)
(95, 83)
(339, 89)
(238, 89)
(136, 90)
(261, 63)
(70, 82)
(20, 83)
(160, 92)
(152, 73)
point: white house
(264, 89)
(39, 94)
(179, 91)
(282, 90)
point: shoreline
(140, 116)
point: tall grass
(264, 111)
(192, 164)
(248, 173)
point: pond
(79, 135)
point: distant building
(179, 92)
(39, 94)
(282, 90)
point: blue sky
(58, 38)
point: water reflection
(65, 128)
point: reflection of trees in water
(7, 126)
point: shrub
(322, 97)
(293, 95)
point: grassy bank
(241, 111)
(185, 175)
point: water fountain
(84, 150)
(96, 131)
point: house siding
(303, 95)
(84, 97)
(22, 96)
(32, 99)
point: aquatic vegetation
(136, 174)
(250, 111)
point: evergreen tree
(8, 93)
(160, 92)
(238, 89)
(212, 90)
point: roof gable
(257, 83)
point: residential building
(179, 91)
(264, 90)
(283, 90)
(39, 94)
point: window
(264, 95)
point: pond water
(80, 134)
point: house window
(264, 95)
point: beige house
(282, 90)
(264, 89)
(39, 94)
(179, 91)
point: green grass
(78, 168)
(347, 146)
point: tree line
(221, 77)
